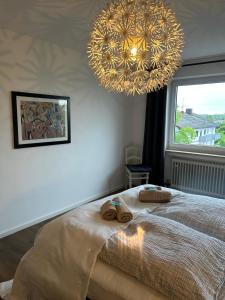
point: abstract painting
(40, 120)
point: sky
(203, 99)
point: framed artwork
(40, 120)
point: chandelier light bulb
(133, 52)
(135, 46)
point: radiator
(200, 177)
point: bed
(169, 251)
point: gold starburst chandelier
(135, 46)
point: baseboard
(59, 212)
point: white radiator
(200, 177)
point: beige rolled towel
(124, 214)
(157, 196)
(108, 211)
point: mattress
(108, 282)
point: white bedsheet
(59, 265)
(110, 283)
(65, 251)
(71, 242)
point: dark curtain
(154, 138)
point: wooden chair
(135, 170)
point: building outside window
(195, 129)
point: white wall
(203, 24)
(206, 70)
(41, 181)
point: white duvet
(60, 264)
(64, 254)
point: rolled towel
(108, 211)
(124, 214)
(157, 196)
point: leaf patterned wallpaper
(68, 22)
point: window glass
(200, 115)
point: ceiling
(67, 23)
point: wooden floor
(13, 247)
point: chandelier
(135, 46)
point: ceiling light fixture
(135, 46)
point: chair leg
(125, 182)
(130, 182)
(147, 179)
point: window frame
(171, 115)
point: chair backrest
(133, 155)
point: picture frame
(40, 120)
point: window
(197, 120)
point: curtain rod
(204, 63)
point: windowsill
(191, 153)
